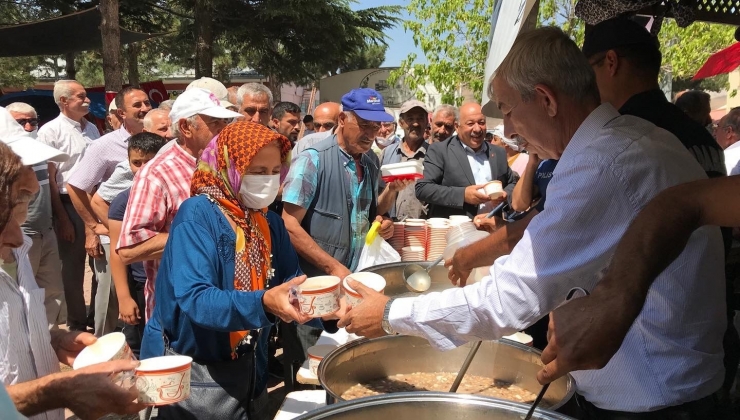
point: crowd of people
(199, 216)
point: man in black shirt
(626, 59)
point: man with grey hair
(44, 251)
(444, 122)
(157, 121)
(254, 101)
(727, 134)
(25, 115)
(547, 94)
(71, 133)
(166, 105)
(163, 184)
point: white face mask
(258, 191)
(512, 144)
(385, 141)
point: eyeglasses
(23, 121)
(251, 111)
(327, 125)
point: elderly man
(604, 158)
(214, 86)
(588, 331)
(414, 119)
(44, 251)
(96, 166)
(164, 183)
(444, 122)
(29, 366)
(727, 134)
(25, 115)
(157, 121)
(286, 120)
(697, 105)
(112, 119)
(71, 133)
(254, 101)
(325, 118)
(457, 168)
(328, 233)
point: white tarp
(507, 20)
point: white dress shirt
(611, 168)
(25, 344)
(70, 137)
(732, 157)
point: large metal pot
(365, 360)
(396, 286)
(429, 406)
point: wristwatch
(385, 324)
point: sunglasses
(23, 121)
(326, 125)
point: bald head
(472, 128)
(325, 116)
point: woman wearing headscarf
(225, 277)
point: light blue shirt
(612, 167)
(7, 407)
(479, 163)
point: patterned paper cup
(494, 189)
(371, 280)
(163, 380)
(316, 354)
(107, 348)
(319, 296)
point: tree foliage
(453, 35)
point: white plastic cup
(494, 190)
(319, 296)
(107, 348)
(371, 280)
(163, 380)
(316, 354)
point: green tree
(453, 35)
(562, 13)
(685, 50)
(370, 57)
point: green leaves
(453, 35)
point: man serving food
(610, 167)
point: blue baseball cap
(367, 104)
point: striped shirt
(25, 345)
(610, 170)
(70, 137)
(100, 160)
(159, 189)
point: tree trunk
(133, 51)
(203, 39)
(69, 67)
(110, 32)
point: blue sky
(400, 42)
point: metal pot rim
(401, 397)
(355, 343)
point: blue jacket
(195, 298)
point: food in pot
(440, 381)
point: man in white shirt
(70, 133)
(727, 134)
(29, 353)
(96, 166)
(670, 363)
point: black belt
(707, 408)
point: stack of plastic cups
(437, 238)
(415, 239)
(397, 240)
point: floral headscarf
(218, 176)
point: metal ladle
(417, 278)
